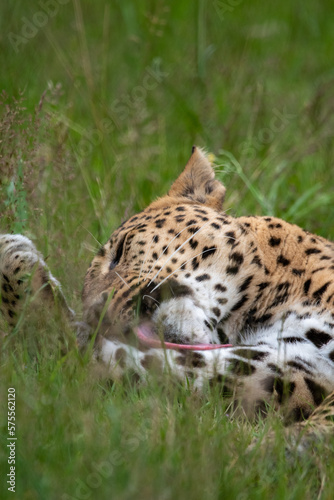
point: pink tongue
(147, 336)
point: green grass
(88, 137)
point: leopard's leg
(319, 425)
(322, 417)
(25, 277)
(302, 437)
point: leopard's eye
(118, 254)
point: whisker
(172, 291)
(120, 277)
(150, 297)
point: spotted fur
(194, 274)
(25, 278)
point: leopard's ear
(197, 182)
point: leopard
(187, 290)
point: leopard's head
(160, 265)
